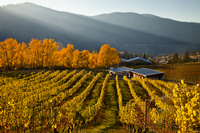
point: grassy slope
(92, 98)
(126, 94)
(109, 120)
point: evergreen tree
(144, 56)
(175, 58)
(130, 55)
(127, 56)
(194, 53)
(186, 57)
(197, 60)
(135, 55)
(125, 53)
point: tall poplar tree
(8, 51)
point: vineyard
(87, 101)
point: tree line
(45, 54)
(184, 59)
(129, 55)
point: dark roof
(138, 58)
(120, 69)
(146, 71)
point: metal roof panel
(138, 58)
(146, 71)
(121, 69)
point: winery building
(136, 61)
(141, 72)
(146, 73)
(120, 71)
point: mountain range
(138, 33)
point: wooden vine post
(55, 114)
(145, 115)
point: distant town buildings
(165, 59)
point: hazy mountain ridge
(182, 31)
(27, 21)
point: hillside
(26, 21)
(182, 31)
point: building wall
(120, 73)
(131, 74)
(154, 77)
(157, 76)
(136, 75)
(141, 77)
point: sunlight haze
(180, 10)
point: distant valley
(138, 33)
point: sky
(180, 10)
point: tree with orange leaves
(93, 59)
(85, 58)
(35, 53)
(114, 58)
(77, 59)
(49, 47)
(107, 56)
(45, 54)
(16, 58)
(8, 49)
(23, 55)
(103, 56)
(66, 56)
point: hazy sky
(181, 10)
